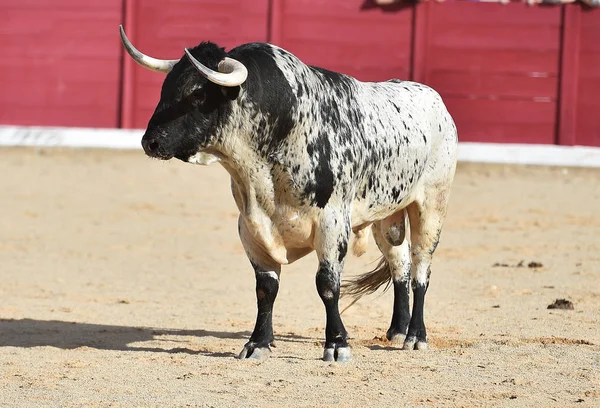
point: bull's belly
(283, 238)
(365, 212)
(287, 232)
(296, 229)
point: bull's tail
(368, 282)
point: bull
(314, 156)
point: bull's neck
(245, 148)
(250, 171)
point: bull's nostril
(153, 146)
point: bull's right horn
(231, 72)
(144, 60)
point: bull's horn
(231, 72)
(154, 64)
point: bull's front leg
(331, 245)
(266, 272)
(267, 286)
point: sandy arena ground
(123, 283)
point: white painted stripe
(70, 137)
(467, 152)
(550, 155)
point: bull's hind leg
(426, 218)
(331, 244)
(395, 247)
(267, 273)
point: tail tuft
(369, 282)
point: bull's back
(408, 129)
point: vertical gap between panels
(121, 77)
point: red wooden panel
(498, 37)
(502, 121)
(516, 15)
(498, 61)
(590, 21)
(163, 28)
(496, 65)
(61, 62)
(341, 35)
(588, 86)
(569, 74)
(504, 132)
(464, 84)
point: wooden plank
(587, 83)
(62, 5)
(64, 92)
(534, 133)
(420, 48)
(57, 115)
(588, 92)
(60, 62)
(503, 121)
(496, 66)
(590, 29)
(456, 13)
(72, 68)
(589, 64)
(127, 68)
(589, 41)
(500, 111)
(358, 57)
(588, 123)
(569, 76)
(483, 37)
(340, 35)
(275, 22)
(492, 85)
(163, 30)
(386, 34)
(535, 63)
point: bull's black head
(189, 109)
(195, 100)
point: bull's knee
(328, 284)
(267, 286)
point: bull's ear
(230, 92)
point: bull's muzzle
(153, 148)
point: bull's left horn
(144, 60)
(231, 72)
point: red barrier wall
(497, 67)
(60, 62)
(163, 28)
(346, 36)
(508, 73)
(587, 130)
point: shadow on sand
(71, 335)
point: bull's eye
(199, 99)
(196, 98)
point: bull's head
(193, 101)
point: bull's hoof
(412, 343)
(396, 336)
(254, 352)
(340, 354)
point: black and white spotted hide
(315, 156)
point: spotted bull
(314, 156)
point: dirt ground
(123, 283)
